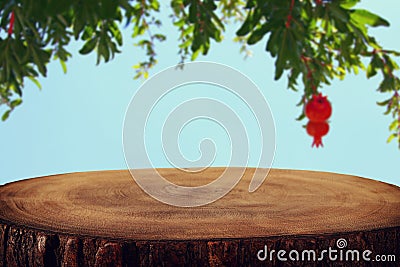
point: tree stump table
(104, 219)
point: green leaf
(103, 50)
(39, 61)
(363, 17)
(64, 66)
(391, 137)
(272, 44)
(391, 64)
(371, 71)
(138, 75)
(36, 82)
(259, 33)
(293, 54)
(78, 26)
(186, 44)
(217, 20)
(118, 36)
(301, 116)
(246, 27)
(179, 23)
(160, 37)
(340, 13)
(88, 46)
(188, 30)
(394, 125)
(15, 103)
(155, 5)
(6, 115)
(384, 103)
(280, 62)
(347, 4)
(195, 54)
(253, 18)
(376, 62)
(387, 84)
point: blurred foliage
(312, 41)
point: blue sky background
(75, 122)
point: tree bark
(105, 219)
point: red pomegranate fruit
(317, 130)
(318, 108)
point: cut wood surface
(103, 218)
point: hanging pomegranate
(317, 130)
(318, 108)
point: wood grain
(104, 219)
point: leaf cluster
(41, 32)
(322, 41)
(312, 41)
